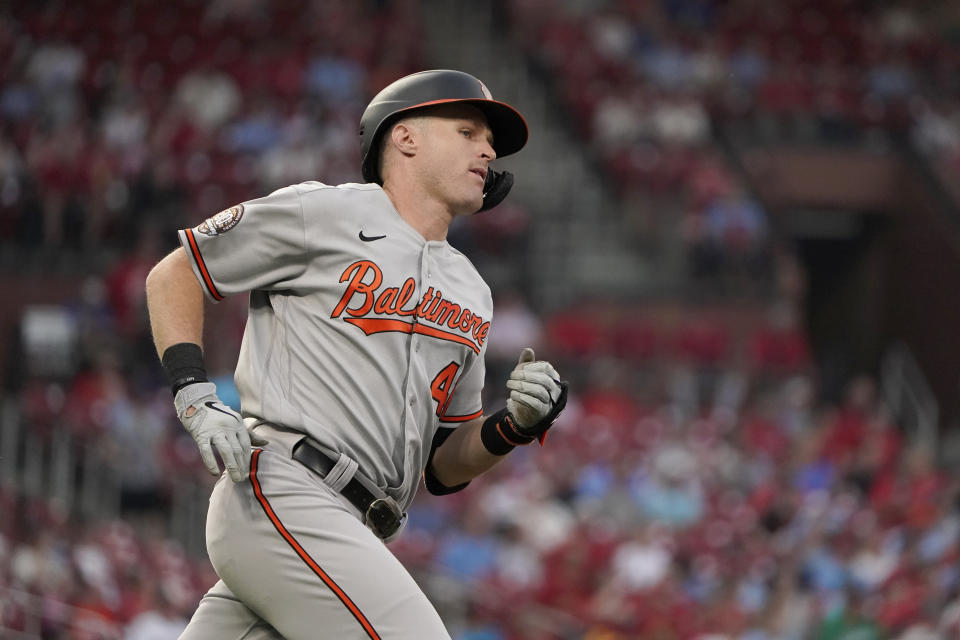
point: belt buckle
(384, 517)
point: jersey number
(442, 386)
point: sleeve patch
(222, 222)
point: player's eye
(466, 133)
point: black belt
(381, 515)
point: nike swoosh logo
(213, 405)
(370, 238)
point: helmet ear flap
(372, 163)
(496, 186)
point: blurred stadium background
(736, 229)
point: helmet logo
(485, 91)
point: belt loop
(341, 473)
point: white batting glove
(535, 390)
(214, 424)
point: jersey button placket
(425, 274)
(415, 339)
(425, 277)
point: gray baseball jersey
(361, 334)
(364, 337)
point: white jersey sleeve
(259, 244)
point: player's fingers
(228, 453)
(524, 410)
(530, 368)
(534, 404)
(209, 461)
(243, 438)
(246, 450)
(537, 377)
(530, 388)
(550, 371)
(519, 412)
(240, 441)
(543, 366)
(551, 389)
(555, 388)
(527, 355)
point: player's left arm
(459, 459)
(537, 396)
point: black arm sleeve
(434, 486)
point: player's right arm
(175, 302)
(259, 244)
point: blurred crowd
(643, 79)
(105, 580)
(119, 117)
(649, 84)
(116, 118)
(700, 483)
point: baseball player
(360, 369)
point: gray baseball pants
(296, 562)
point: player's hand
(537, 395)
(214, 424)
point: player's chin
(476, 204)
(470, 204)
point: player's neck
(429, 217)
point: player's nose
(488, 152)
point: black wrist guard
(183, 364)
(500, 435)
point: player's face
(456, 153)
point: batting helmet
(437, 86)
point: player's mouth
(480, 171)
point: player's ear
(405, 137)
